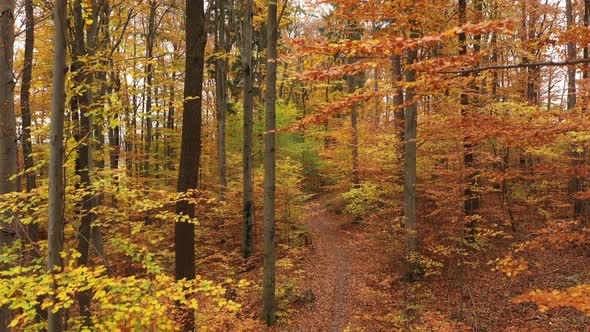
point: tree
(268, 287)
(150, 37)
(190, 148)
(355, 178)
(576, 182)
(25, 102)
(410, 122)
(248, 104)
(55, 228)
(222, 45)
(8, 146)
(471, 204)
(84, 41)
(398, 100)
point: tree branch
(516, 65)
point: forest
(294, 165)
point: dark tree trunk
(355, 180)
(248, 104)
(84, 44)
(268, 287)
(190, 150)
(170, 124)
(8, 145)
(471, 204)
(575, 185)
(398, 101)
(150, 40)
(25, 105)
(55, 228)
(221, 95)
(410, 124)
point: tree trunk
(25, 105)
(190, 150)
(150, 39)
(398, 102)
(8, 146)
(84, 46)
(268, 288)
(471, 204)
(352, 84)
(221, 96)
(575, 185)
(55, 228)
(170, 122)
(410, 124)
(248, 199)
(398, 113)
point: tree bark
(398, 101)
(410, 124)
(190, 150)
(268, 288)
(355, 180)
(149, 72)
(575, 184)
(248, 104)
(8, 145)
(55, 229)
(31, 181)
(84, 44)
(221, 96)
(471, 199)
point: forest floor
(350, 280)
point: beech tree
(25, 102)
(410, 125)
(248, 105)
(269, 282)
(222, 47)
(8, 145)
(55, 227)
(190, 148)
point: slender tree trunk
(150, 39)
(130, 146)
(221, 96)
(27, 143)
(471, 198)
(190, 150)
(268, 287)
(575, 184)
(55, 228)
(84, 44)
(352, 84)
(410, 124)
(398, 101)
(398, 112)
(114, 130)
(248, 104)
(26, 106)
(170, 124)
(355, 147)
(25, 100)
(8, 145)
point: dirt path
(328, 274)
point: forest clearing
(295, 165)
